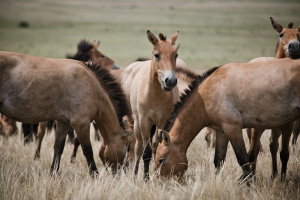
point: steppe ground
(211, 33)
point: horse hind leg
(76, 145)
(28, 137)
(284, 153)
(83, 134)
(60, 138)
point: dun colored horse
(151, 88)
(76, 94)
(288, 45)
(85, 51)
(228, 99)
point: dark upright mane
(186, 73)
(114, 91)
(162, 37)
(184, 97)
(83, 49)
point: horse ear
(165, 136)
(276, 25)
(151, 37)
(173, 38)
(290, 25)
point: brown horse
(151, 88)
(85, 51)
(288, 45)
(228, 100)
(76, 94)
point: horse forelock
(83, 49)
(114, 91)
(162, 37)
(185, 96)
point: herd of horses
(155, 106)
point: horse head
(169, 159)
(164, 59)
(289, 40)
(117, 153)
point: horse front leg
(235, 136)
(145, 127)
(60, 138)
(39, 139)
(138, 148)
(274, 144)
(284, 153)
(220, 149)
(82, 130)
(254, 147)
(296, 132)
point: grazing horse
(35, 89)
(151, 88)
(85, 51)
(8, 127)
(228, 99)
(288, 45)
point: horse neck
(154, 84)
(107, 120)
(188, 123)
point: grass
(211, 33)
(23, 178)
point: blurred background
(211, 32)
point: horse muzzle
(293, 49)
(169, 83)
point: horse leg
(273, 149)
(97, 132)
(138, 149)
(146, 131)
(284, 153)
(249, 130)
(60, 138)
(39, 139)
(83, 134)
(220, 150)
(71, 135)
(296, 132)
(27, 133)
(254, 147)
(76, 145)
(235, 136)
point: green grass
(211, 32)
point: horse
(228, 99)
(8, 127)
(151, 88)
(85, 51)
(76, 94)
(288, 46)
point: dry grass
(23, 178)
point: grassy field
(211, 33)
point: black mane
(162, 37)
(184, 97)
(114, 91)
(83, 49)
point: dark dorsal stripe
(83, 49)
(114, 91)
(184, 97)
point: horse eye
(206, 139)
(156, 55)
(176, 55)
(103, 57)
(162, 160)
(281, 35)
